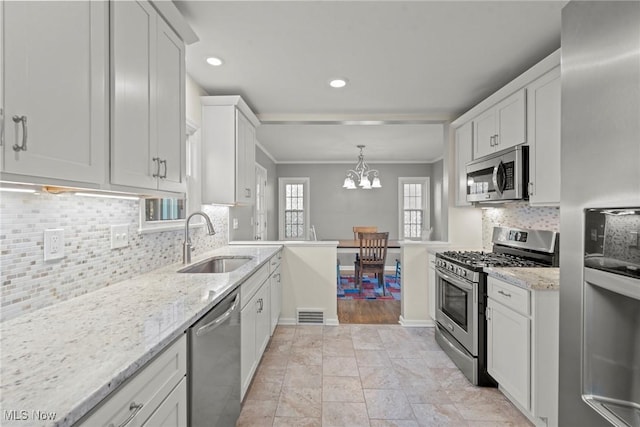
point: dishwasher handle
(219, 320)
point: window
(294, 208)
(413, 198)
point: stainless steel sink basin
(217, 264)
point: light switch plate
(235, 223)
(53, 244)
(119, 236)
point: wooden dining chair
(372, 257)
(363, 229)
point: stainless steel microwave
(499, 176)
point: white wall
(193, 106)
(335, 210)
(309, 281)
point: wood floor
(368, 311)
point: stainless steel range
(461, 293)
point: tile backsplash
(518, 215)
(28, 283)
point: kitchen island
(63, 360)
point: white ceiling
(409, 62)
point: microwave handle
(499, 168)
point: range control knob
(463, 272)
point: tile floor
(367, 375)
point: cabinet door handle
(505, 294)
(162, 162)
(23, 120)
(157, 160)
(247, 192)
(491, 141)
(530, 188)
(497, 139)
(487, 313)
(135, 407)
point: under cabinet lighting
(17, 190)
(107, 196)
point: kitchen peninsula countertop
(541, 278)
(66, 358)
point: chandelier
(365, 177)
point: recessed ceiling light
(212, 60)
(338, 83)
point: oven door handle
(460, 283)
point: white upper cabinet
(464, 150)
(55, 91)
(228, 150)
(147, 100)
(501, 126)
(543, 113)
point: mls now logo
(23, 415)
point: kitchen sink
(217, 264)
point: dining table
(355, 244)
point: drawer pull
(135, 407)
(505, 294)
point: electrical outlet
(53, 244)
(119, 236)
(235, 223)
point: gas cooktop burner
(489, 259)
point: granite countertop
(540, 278)
(67, 357)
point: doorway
(260, 209)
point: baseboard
(290, 321)
(287, 321)
(416, 323)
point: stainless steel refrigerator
(600, 169)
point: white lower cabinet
(276, 289)
(522, 348)
(155, 396)
(276, 299)
(173, 411)
(508, 350)
(248, 362)
(263, 319)
(257, 318)
(431, 284)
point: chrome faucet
(186, 245)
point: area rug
(370, 288)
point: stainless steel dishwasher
(214, 372)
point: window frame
(282, 182)
(426, 213)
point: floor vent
(310, 316)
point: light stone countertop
(541, 278)
(67, 357)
